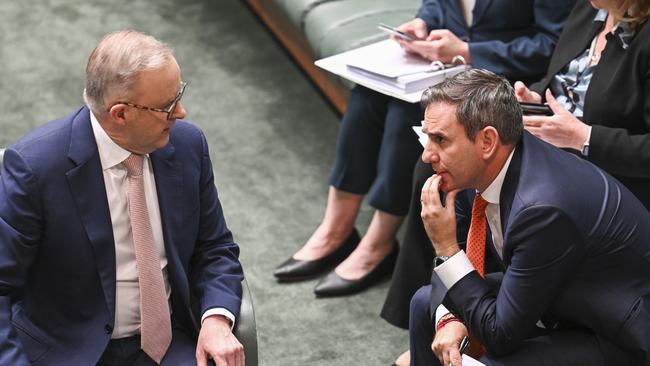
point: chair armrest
(246, 329)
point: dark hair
(482, 99)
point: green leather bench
(313, 29)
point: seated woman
(377, 149)
(598, 86)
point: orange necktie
(476, 237)
(476, 254)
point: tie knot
(133, 165)
(479, 205)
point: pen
(463, 345)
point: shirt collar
(601, 15)
(110, 153)
(492, 193)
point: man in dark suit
(113, 245)
(512, 38)
(573, 242)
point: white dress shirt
(127, 289)
(458, 265)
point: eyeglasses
(169, 110)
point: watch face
(439, 260)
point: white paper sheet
(469, 361)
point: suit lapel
(508, 190)
(89, 194)
(169, 187)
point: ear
(118, 113)
(487, 141)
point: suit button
(108, 328)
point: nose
(430, 155)
(179, 111)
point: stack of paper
(385, 67)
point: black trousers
(377, 148)
(415, 260)
(576, 346)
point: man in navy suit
(572, 243)
(103, 263)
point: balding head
(114, 64)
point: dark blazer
(576, 249)
(617, 103)
(57, 254)
(513, 38)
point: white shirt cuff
(440, 312)
(454, 268)
(222, 312)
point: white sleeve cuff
(440, 312)
(222, 312)
(453, 269)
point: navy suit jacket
(513, 38)
(57, 253)
(576, 249)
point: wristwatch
(439, 260)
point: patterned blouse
(570, 85)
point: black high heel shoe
(298, 270)
(334, 285)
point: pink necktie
(155, 322)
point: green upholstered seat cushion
(297, 10)
(337, 26)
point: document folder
(385, 67)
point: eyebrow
(434, 133)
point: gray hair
(114, 64)
(482, 99)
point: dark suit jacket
(576, 248)
(513, 38)
(617, 103)
(57, 254)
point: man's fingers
(201, 358)
(454, 357)
(434, 191)
(430, 190)
(425, 189)
(220, 361)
